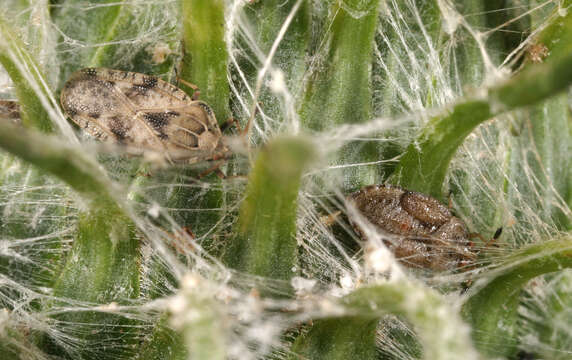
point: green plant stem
(267, 19)
(111, 31)
(469, 69)
(491, 309)
(66, 162)
(164, 343)
(105, 29)
(338, 339)
(205, 58)
(204, 64)
(102, 266)
(339, 90)
(352, 334)
(12, 53)
(265, 240)
(200, 336)
(19, 191)
(106, 249)
(204, 335)
(14, 342)
(424, 164)
(340, 93)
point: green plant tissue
(112, 251)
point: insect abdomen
(426, 234)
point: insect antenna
(495, 237)
(253, 113)
(487, 243)
(196, 91)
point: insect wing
(189, 132)
(380, 204)
(141, 111)
(425, 208)
(428, 236)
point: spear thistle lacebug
(427, 235)
(10, 110)
(143, 113)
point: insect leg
(474, 235)
(330, 219)
(232, 122)
(489, 242)
(196, 92)
(216, 169)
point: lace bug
(144, 113)
(426, 234)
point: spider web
(499, 177)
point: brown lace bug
(425, 233)
(10, 110)
(143, 112)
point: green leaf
(540, 164)
(351, 333)
(164, 343)
(131, 36)
(14, 340)
(342, 338)
(281, 30)
(102, 266)
(424, 164)
(204, 333)
(16, 61)
(492, 303)
(545, 314)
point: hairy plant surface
(105, 255)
